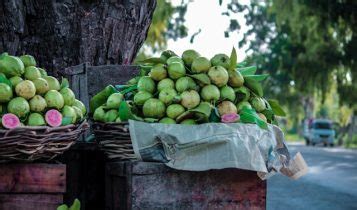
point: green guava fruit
(146, 84)
(190, 99)
(218, 75)
(28, 60)
(176, 70)
(226, 107)
(68, 96)
(5, 93)
(41, 86)
(11, 66)
(243, 104)
(154, 108)
(68, 111)
(54, 99)
(188, 122)
(81, 106)
(174, 110)
(141, 97)
(15, 80)
(167, 120)
(114, 100)
(78, 113)
(43, 72)
(185, 83)
(165, 84)
(25, 89)
(32, 73)
(227, 93)
(210, 93)
(235, 78)
(258, 104)
(200, 65)
(167, 96)
(174, 59)
(221, 60)
(36, 119)
(111, 115)
(99, 114)
(166, 55)
(188, 56)
(18, 106)
(37, 104)
(158, 72)
(52, 82)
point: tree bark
(63, 33)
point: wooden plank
(32, 178)
(30, 201)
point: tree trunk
(62, 33)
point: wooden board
(30, 201)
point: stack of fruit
(28, 96)
(190, 89)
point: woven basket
(114, 140)
(26, 144)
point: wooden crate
(32, 186)
(143, 185)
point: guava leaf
(66, 120)
(242, 64)
(144, 70)
(129, 89)
(64, 83)
(121, 87)
(76, 205)
(258, 78)
(254, 86)
(214, 116)
(62, 207)
(101, 97)
(242, 94)
(233, 59)
(250, 70)
(124, 111)
(151, 120)
(152, 61)
(204, 108)
(203, 78)
(4, 80)
(250, 116)
(275, 106)
(269, 114)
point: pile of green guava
(30, 97)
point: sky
(207, 16)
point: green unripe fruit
(243, 104)
(28, 60)
(81, 106)
(78, 113)
(185, 83)
(166, 83)
(174, 59)
(41, 86)
(37, 104)
(32, 73)
(5, 93)
(141, 97)
(167, 96)
(18, 106)
(190, 99)
(68, 111)
(114, 100)
(99, 114)
(200, 65)
(258, 104)
(25, 89)
(146, 84)
(174, 110)
(15, 80)
(218, 75)
(221, 60)
(158, 72)
(188, 122)
(227, 93)
(167, 120)
(36, 119)
(154, 108)
(235, 79)
(43, 72)
(54, 99)
(188, 56)
(53, 83)
(111, 115)
(68, 96)
(176, 70)
(210, 93)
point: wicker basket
(26, 144)
(114, 140)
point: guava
(188, 56)
(154, 108)
(32, 73)
(210, 93)
(218, 75)
(114, 100)
(118, 120)
(230, 118)
(5, 93)
(263, 117)
(52, 82)
(41, 86)
(227, 93)
(221, 60)
(80, 105)
(167, 96)
(54, 99)
(188, 122)
(242, 93)
(226, 107)
(11, 66)
(15, 80)
(141, 97)
(158, 72)
(68, 96)
(165, 84)
(68, 111)
(167, 120)
(53, 118)
(37, 104)
(190, 99)
(185, 83)
(28, 60)
(235, 78)
(25, 89)
(146, 84)
(174, 110)
(10, 121)
(111, 115)
(99, 114)
(200, 65)
(166, 55)
(78, 113)
(243, 104)
(43, 72)
(258, 104)
(174, 59)
(36, 119)
(176, 70)
(18, 106)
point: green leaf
(214, 116)
(66, 120)
(242, 64)
(250, 116)
(233, 59)
(152, 61)
(101, 97)
(4, 80)
(242, 94)
(254, 86)
(203, 78)
(76, 205)
(269, 114)
(258, 78)
(151, 120)
(144, 70)
(64, 83)
(250, 70)
(204, 108)
(129, 89)
(275, 106)
(62, 207)
(124, 111)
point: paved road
(331, 182)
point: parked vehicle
(320, 131)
